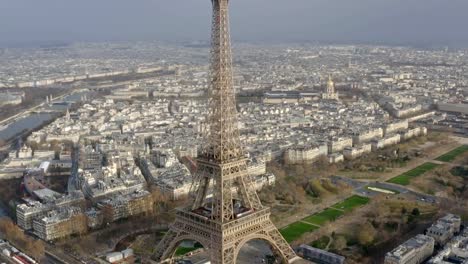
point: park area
(405, 178)
(451, 155)
(315, 221)
(351, 203)
(295, 230)
(327, 215)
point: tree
(366, 234)
(329, 186)
(37, 249)
(267, 195)
(300, 171)
(315, 186)
(416, 212)
(404, 210)
(340, 243)
(277, 169)
(17, 237)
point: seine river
(35, 120)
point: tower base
(223, 241)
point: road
(397, 189)
(54, 255)
(360, 186)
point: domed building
(330, 94)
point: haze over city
(414, 22)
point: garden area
(315, 221)
(451, 155)
(327, 215)
(405, 178)
(295, 230)
(351, 203)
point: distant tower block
(226, 212)
(330, 94)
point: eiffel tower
(226, 212)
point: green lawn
(180, 251)
(327, 215)
(405, 178)
(351, 203)
(451, 155)
(295, 230)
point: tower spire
(223, 138)
(226, 212)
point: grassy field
(295, 230)
(184, 250)
(451, 155)
(327, 215)
(405, 178)
(351, 203)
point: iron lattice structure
(226, 212)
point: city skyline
(418, 22)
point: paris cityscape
(225, 151)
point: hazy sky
(387, 21)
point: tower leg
(164, 247)
(270, 234)
(281, 247)
(228, 256)
(222, 256)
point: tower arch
(168, 254)
(265, 238)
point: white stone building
(414, 251)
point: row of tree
(16, 237)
